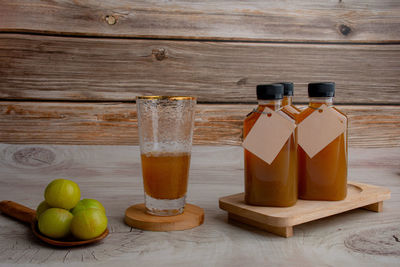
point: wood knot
(34, 156)
(159, 54)
(344, 29)
(379, 241)
(242, 81)
(111, 20)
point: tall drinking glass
(165, 136)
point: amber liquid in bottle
(323, 177)
(272, 184)
(288, 107)
(165, 175)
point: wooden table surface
(112, 174)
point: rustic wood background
(70, 70)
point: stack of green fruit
(63, 213)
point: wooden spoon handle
(17, 211)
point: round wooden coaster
(136, 216)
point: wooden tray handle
(18, 211)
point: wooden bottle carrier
(280, 221)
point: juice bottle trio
(313, 169)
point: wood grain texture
(18, 211)
(284, 231)
(116, 123)
(65, 68)
(358, 196)
(136, 216)
(377, 207)
(290, 20)
(112, 175)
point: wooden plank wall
(70, 70)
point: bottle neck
(316, 102)
(287, 100)
(272, 104)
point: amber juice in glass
(165, 174)
(272, 184)
(324, 176)
(165, 133)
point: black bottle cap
(326, 89)
(270, 91)
(287, 88)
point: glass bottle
(324, 176)
(288, 89)
(272, 184)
